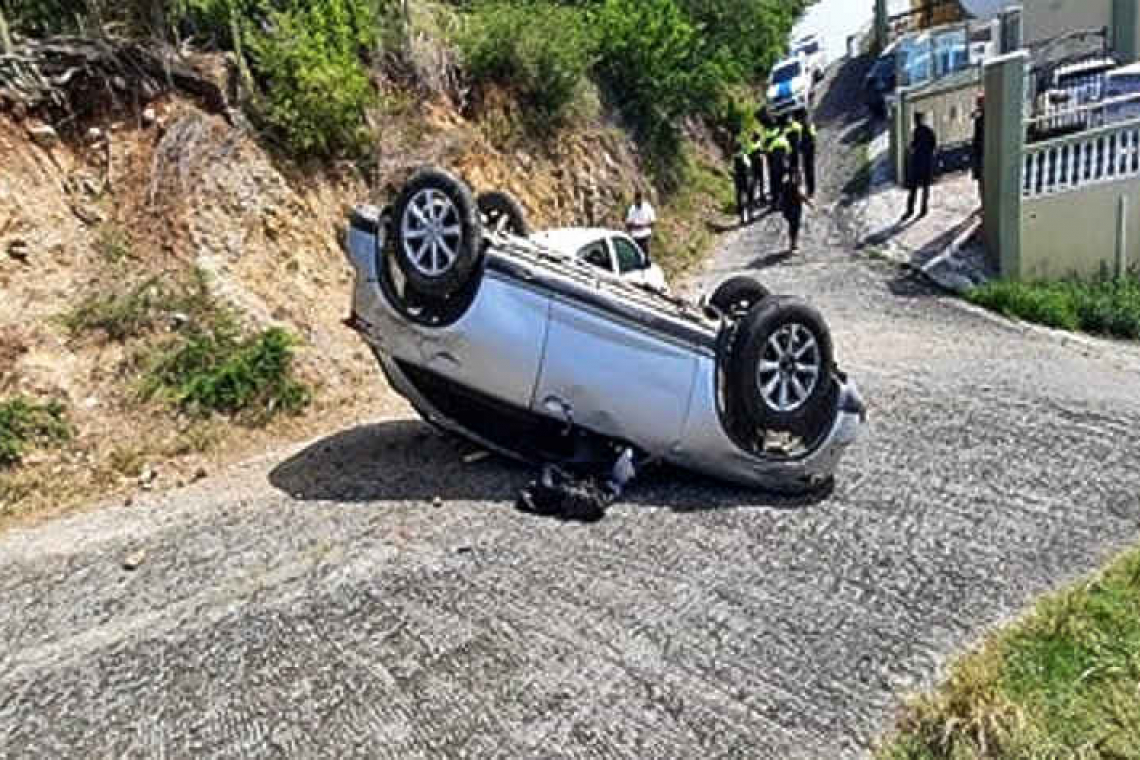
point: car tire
(437, 239)
(501, 212)
(737, 295)
(781, 366)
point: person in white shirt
(640, 220)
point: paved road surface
(318, 604)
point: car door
(609, 371)
(630, 259)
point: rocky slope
(173, 188)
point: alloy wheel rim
(431, 233)
(789, 368)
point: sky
(834, 20)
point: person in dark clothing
(742, 179)
(778, 152)
(923, 147)
(760, 192)
(977, 148)
(807, 152)
(793, 200)
(794, 131)
(756, 159)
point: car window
(596, 254)
(629, 255)
(786, 73)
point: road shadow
(770, 259)
(408, 460)
(838, 105)
(912, 283)
(884, 234)
(403, 460)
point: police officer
(794, 131)
(807, 151)
(779, 154)
(742, 178)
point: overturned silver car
(494, 337)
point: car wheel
(736, 295)
(501, 212)
(782, 365)
(436, 235)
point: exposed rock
(43, 134)
(18, 250)
(134, 559)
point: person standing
(794, 131)
(793, 200)
(639, 221)
(923, 146)
(807, 151)
(779, 152)
(742, 179)
(978, 146)
(759, 142)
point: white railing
(1069, 163)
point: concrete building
(1044, 20)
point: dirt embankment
(171, 188)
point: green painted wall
(1075, 233)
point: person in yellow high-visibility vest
(778, 152)
(794, 131)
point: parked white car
(790, 86)
(614, 253)
(810, 48)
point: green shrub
(216, 370)
(25, 423)
(747, 35)
(653, 62)
(309, 63)
(1105, 307)
(542, 51)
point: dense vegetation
(308, 64)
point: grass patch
(216, 370)
(1064, 682)
(25, 423)
(129, 310)
(1109, 307)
